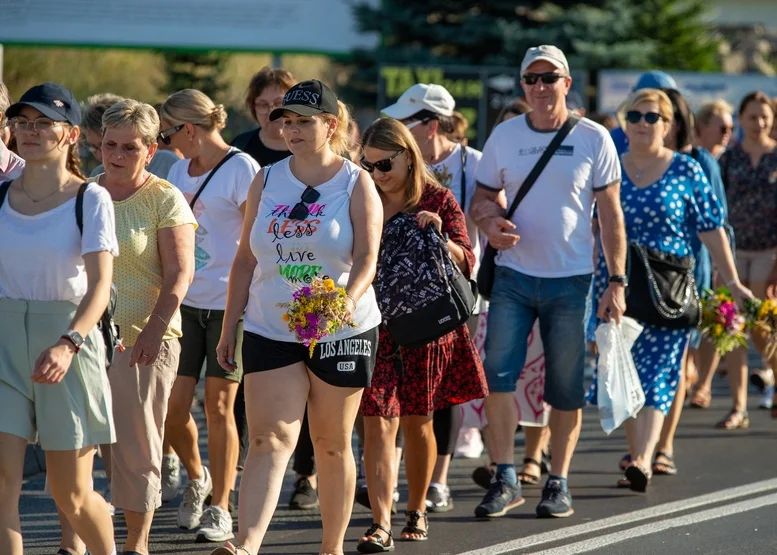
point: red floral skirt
(417, 382)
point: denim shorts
(517, 300)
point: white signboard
(698, 88)
(321, 26)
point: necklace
(59, 189)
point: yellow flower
(329, 284)
(286, 317)
(717, 330)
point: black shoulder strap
(463, 178)
(4, 191)
(224, 160)
(80, 207)
(541, 163)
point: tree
(195, 70)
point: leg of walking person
(241, 423)
(380, 469)
(70, 479)
(648, 425)
(537, 440)
(276, 407)
(171, 471)
(420, 456)
(12, 450)
(663, 462)
(446, 423)
(305, 494)
(332, 412)
(708, 362)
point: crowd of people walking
(174, 258)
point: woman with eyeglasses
(53, 384)
(315, 214)
(445, 373)
(215, 179)
(11, 165)
(749, 171)
(666, 200)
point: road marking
(646, 529)
(628, 518)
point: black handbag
(485, 278)
(662, 290)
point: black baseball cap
(308, 98)
(52, 100)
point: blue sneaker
(501, 497)
(556, 502)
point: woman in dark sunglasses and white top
(313, 214)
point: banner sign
(277, 26)
(480, 91)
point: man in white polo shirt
(544, 268)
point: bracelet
(733, 282)
(352, 299)
(160, 318)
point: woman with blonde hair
(666, 200)
(714, 126)
(315, 214)
(215, 179)
(439, 375)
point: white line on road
(628, 518)
(675, 522)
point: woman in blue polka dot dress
(666, 200)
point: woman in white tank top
(312, 215)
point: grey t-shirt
(160, 164)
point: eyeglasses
(263, 107)
(547, 78)
(165, 135)
(301, 210)
(725, 129)
(635, 116)
(38, 125)
(382, 165)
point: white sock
(438, 486)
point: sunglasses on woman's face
(165, 136)
(301, 210)
(382, 165)
(635, 116)
(547, 78)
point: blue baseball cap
(655, 80)
(52, 100)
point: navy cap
(308, 98)
(655, 80)
(52, 100)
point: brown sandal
(736, 420)
(701, 399)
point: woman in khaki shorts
(155, 228)
(215, 179)
(54, 286)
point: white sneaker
(194, 494)
(215, 526)
(469, 444)
(767, 398)
(171, 477)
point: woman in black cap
(53, 384)
(315, 214)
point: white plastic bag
(619, 392)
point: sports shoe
(304, 497)
(438, 499)
(501, 497)
(194, 494)
(767, 399)
(215, 526)
(555, 501)
(363, 497)
(171, 477)
(469, 444)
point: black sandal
(639, 477)
(527, 478)
(625, 462)
(412, 526)
(374, 543)
(668, 468)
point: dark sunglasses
(165, 135)
(634, 116)
(726, 129)
(382, 165)
(301, 210)
(547, 78)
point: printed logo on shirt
(563, 150)
(346, 347)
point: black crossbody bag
(487, 269)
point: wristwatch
(74, 337)
(621, 280)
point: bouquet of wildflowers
(721, 321)
(762, 316)
(317, 310)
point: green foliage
(195, 70)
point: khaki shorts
(70, 415)
(754, 268)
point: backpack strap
(463, 178)
(4, 191)
(80, 207)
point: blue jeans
(517, 300)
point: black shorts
(341, 363)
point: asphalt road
(724, 501)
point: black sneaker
(304, 497)
(555, 501)
(363, 497)
(501, 497)
(439, 500)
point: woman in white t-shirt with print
(55, 284)
(427, 111)
(215, 179)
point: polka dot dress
(662, 216)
